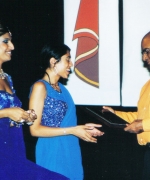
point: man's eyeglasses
(146, 51)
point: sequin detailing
(53, 112)
(7, 99)
(10, 82)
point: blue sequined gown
(62, 153)
(13, 162)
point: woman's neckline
(7, 92)
(54, 87)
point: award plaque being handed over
(106, 117)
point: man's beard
(146, 65)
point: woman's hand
(93, 131)
(109, 109)
(16, 113)
(82, 132)
(32, 117)
(19, 115)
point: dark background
(117, 154)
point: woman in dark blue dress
(58, 147)
(13, 162)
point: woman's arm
(14, 113)
(36, 102)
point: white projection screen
(136, 23)
(91, 30)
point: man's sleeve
(127, 116)
(146, 124)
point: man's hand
(135, 127)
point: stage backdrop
(92, 32)
(136, 23)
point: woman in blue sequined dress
(58, 147)
(13, 162)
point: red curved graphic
(87, 32)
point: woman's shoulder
(39, 85)
(38, 88)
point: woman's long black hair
(3, 29)
(51, 51)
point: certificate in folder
(106, 117)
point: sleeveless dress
(62, 153)
(13, 162)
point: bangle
(64, 131)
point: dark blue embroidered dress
(62, 153)
(13, 162)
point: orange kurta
(143, 112)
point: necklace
(54, 86)
(2, 74)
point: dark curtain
(32, 23)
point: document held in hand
(106, 117)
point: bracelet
(15, 123)
(64, 131)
